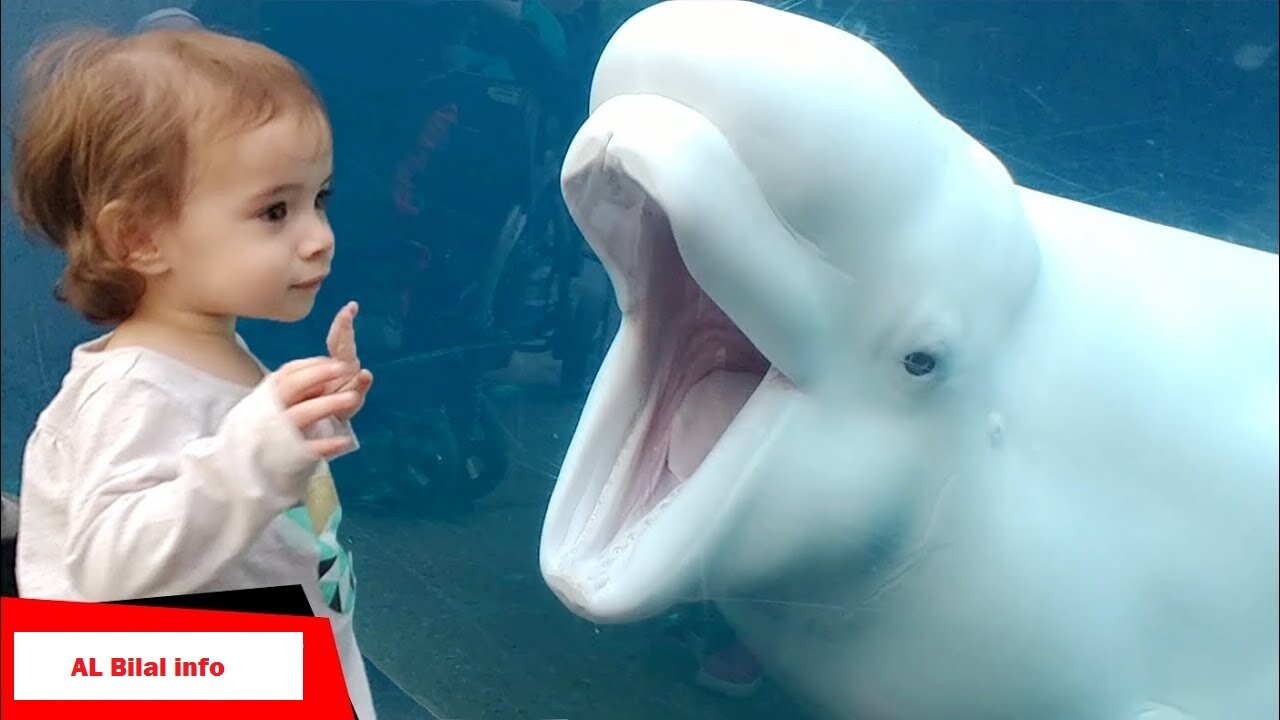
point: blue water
(449, 122)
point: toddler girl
(184, 175)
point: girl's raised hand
(302, 387)
(342, 347)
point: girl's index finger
(342, 334)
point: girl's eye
(322, 199)
(275, 213)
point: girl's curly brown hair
(113, 120)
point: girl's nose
(319, 240)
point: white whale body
(938, 445)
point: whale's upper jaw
(636, 507)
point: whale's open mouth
(672, 416)
(698, 368)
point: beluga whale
(939, 446)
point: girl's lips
(309, 285)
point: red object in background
(324, 690)
(434, 133)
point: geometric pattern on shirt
(320, 516)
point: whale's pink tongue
(704, 415)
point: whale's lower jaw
(627, 555)
(672, 420)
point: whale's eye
(919, 363)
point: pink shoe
(733, 672)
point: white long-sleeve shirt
(147, 477)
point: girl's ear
(125, 238)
